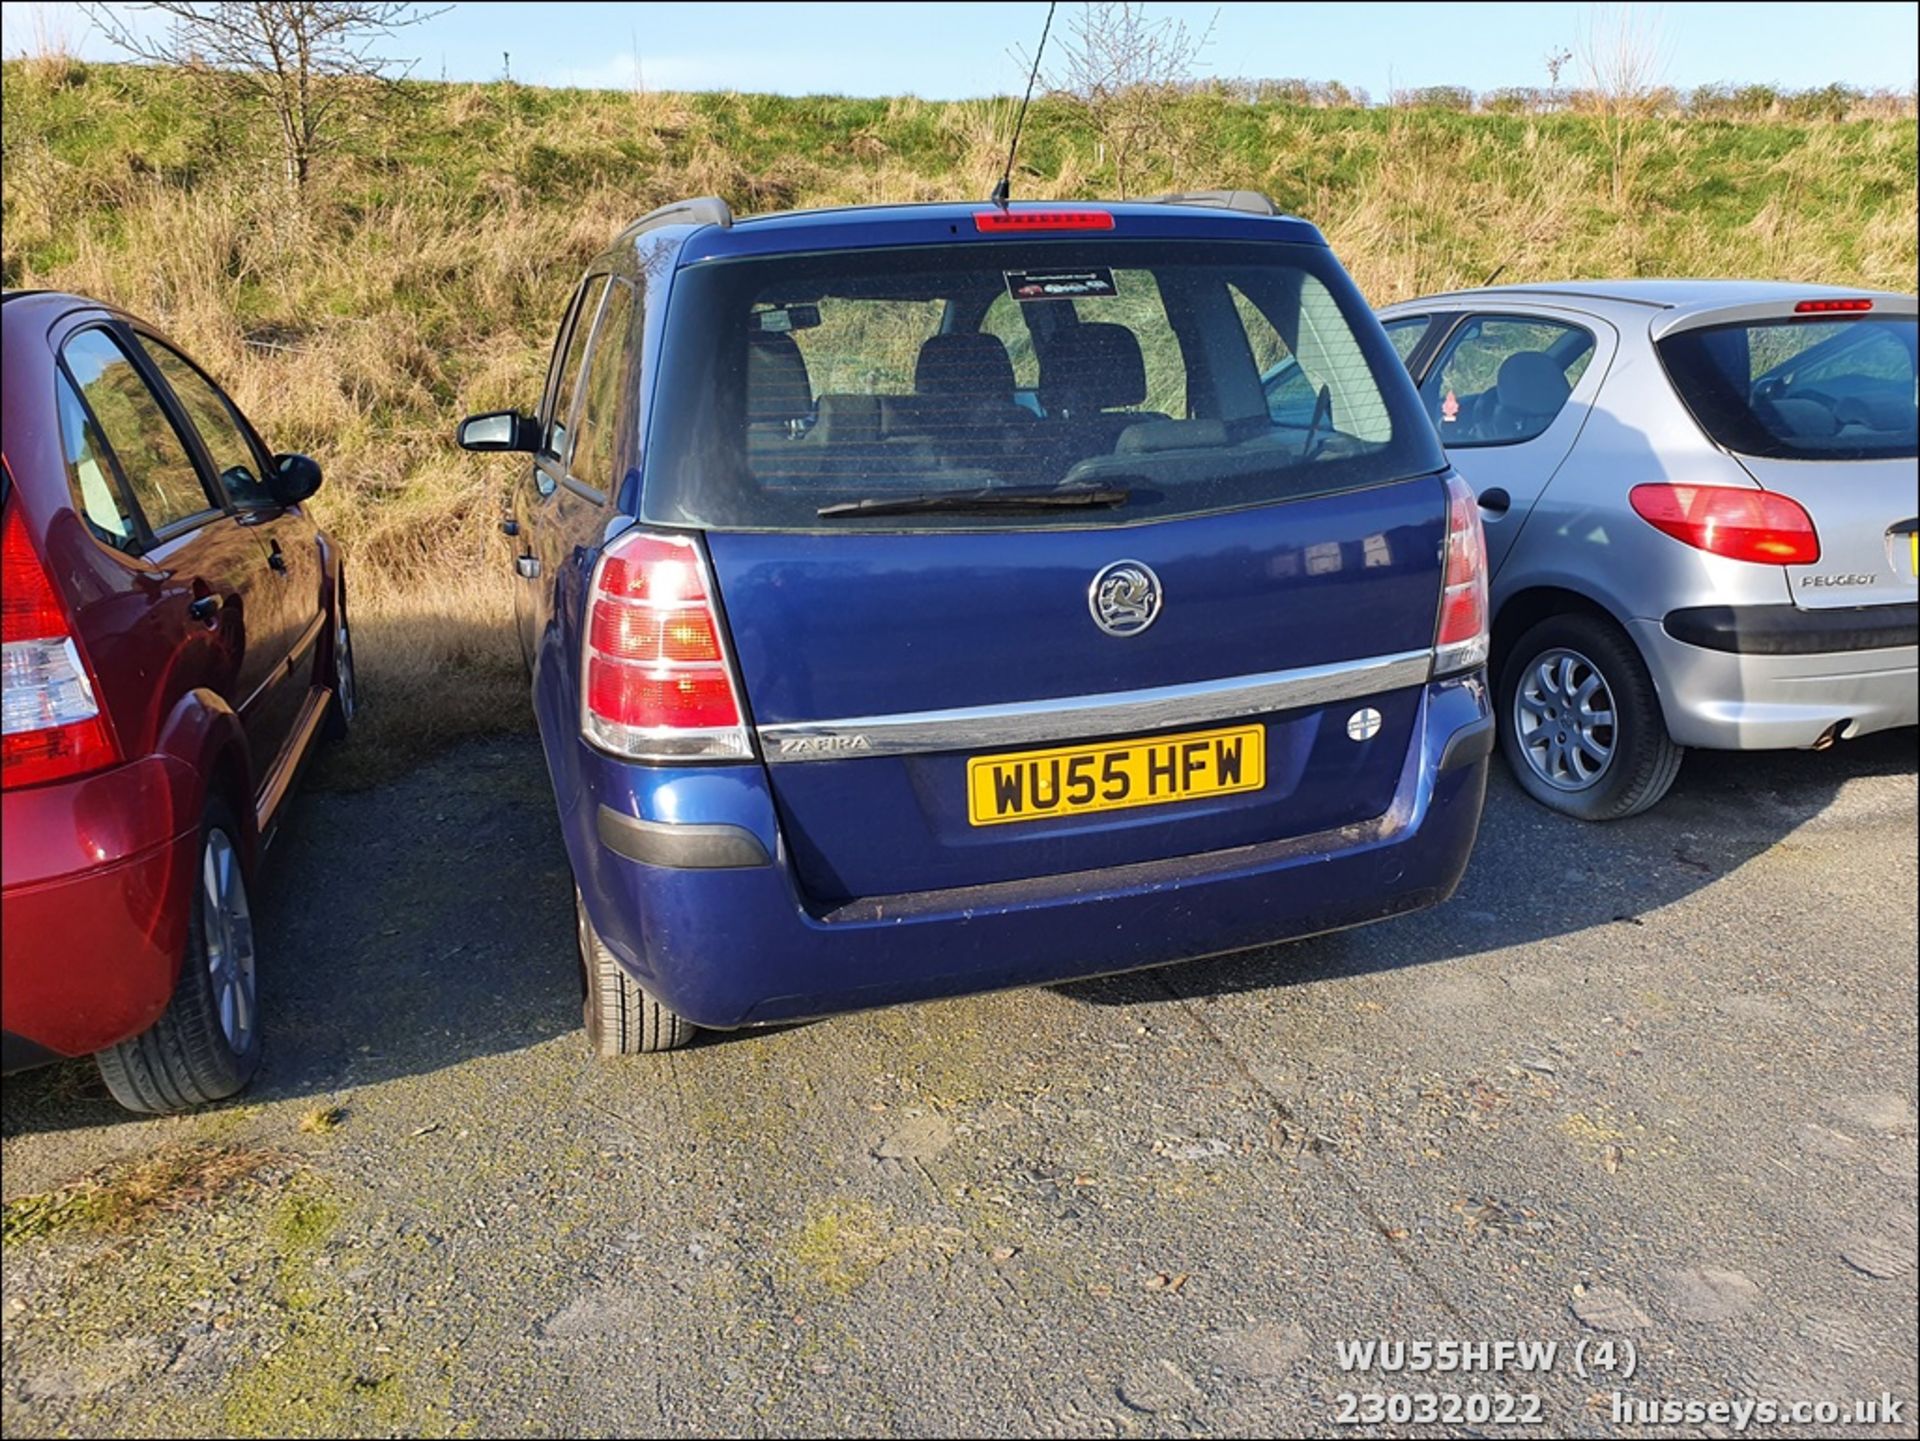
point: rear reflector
(657, 683)
(51, 727)
(1753, 525)
(1461, 640)
(1824, 307)
(1029, 220)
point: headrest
(1093, 366)
(778, 389)
(964, 364)
(1532, 383)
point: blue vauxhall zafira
(929, 599)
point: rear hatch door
(1819, 406)
(916, 618)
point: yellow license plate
(1114, 775)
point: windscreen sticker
(1450, 408)
(783, 318)
(1059, 284)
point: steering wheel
(1322, 415)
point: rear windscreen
(1195, 376)
(1801, 389)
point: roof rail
(702, 210)
(1251, 202)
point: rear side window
(1504, 379)
(599, 424)
(151, 455)
(234, 462)
(561, 415)
(1801, 389)
(808, 381)
(96, 490)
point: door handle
(276, 560)
(1496, 500)
(528, 566)
(206, 609)
(509, 526)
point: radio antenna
(1003, 190)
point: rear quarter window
(90, 475)
(794, 383)
(1801, 389)
(150, 452)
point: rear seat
(962, 402)
(1087, 376)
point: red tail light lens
(1827, 307)
(1032, 220)
(1461, 642)
(658, 685)
(51, 727)
(1755, 525)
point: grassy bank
(421, 276)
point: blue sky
(951, 50)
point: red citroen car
(175, 639)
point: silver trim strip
(1078, 717)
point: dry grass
(423, 277)
(322, 1119)
(134, 1194)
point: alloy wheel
(1563, 714)
(227, 931)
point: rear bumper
(89, 955)
(732, 946)
(1753, 686)
(1788, 630)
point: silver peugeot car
(1700, 508)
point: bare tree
(1121, 70)
(1623, 59)
(305, 59)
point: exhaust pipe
(1831, 734)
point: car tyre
(623, 1018)
(1559, 680)
(346, 684)
(206, 1045)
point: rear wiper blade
(992, 498)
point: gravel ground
(1649, 1084)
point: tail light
(1828, 307)
(51, 727)
(1461, 643)
(657, 682)
(1756, 525)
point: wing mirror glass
(500, 430)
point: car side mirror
(500, 430)
(294, 478)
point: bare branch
(304, 58)
(1120, 70)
